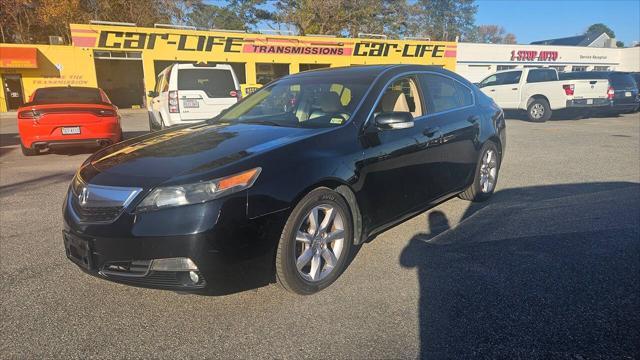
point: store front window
(578, 68)
(267, 72)
(306, 67)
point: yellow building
(125, 60)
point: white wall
(630, 59)
(476, 61)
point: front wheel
(486, 175)
(539, 110)
(316, 243)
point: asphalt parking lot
(548, 268)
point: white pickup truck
(539, 92)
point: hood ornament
(83, 196)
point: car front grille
(127, 268)
(172, 280)
(96, 214)
(98, 203)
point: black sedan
(285, 184)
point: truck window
(540, 75)
(505, 78)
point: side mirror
(394, 120)
(152, 94)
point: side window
(541, 75)
(158, 86)
(464, 95)
(402, 95)
(508, 78)
(490, 81)
(445, 93)
(165, 82)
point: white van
(186, 93)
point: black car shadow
(536, 272)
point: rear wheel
(539, 110)
(28, 151)
(316, 243)
(486, 176)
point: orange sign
(18, 57)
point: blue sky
(546, 19)
(532, 20)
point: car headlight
(171, 196)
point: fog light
(194, 277)
(174, 264)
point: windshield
(68, 95)
(310, 101)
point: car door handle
(492, 90)
(430, 132)
(473, 119)
(514, 88)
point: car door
(393, 174)
(450, 108)
(156, 101)
(503, 88)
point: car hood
(190, 150)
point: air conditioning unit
(56, 40)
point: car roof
(203, 66)
(68, 87)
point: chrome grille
(97, 203)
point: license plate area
(190, 103)
(72, 130)
(78, 250)
(627, 94)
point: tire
(152, 126)
(539, 110)
(309, 249)
(476, 191)
(28, 151)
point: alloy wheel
(319, 243)
(537, 111)
(488, 171)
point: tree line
(33, 21)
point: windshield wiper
(261, 122)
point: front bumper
(232, 252)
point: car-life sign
(278, 48)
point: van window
(621, 80)
(540, 75)
(216, 83)
(445, 93)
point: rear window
(622, 80)
(215, 83)
(67, 95)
